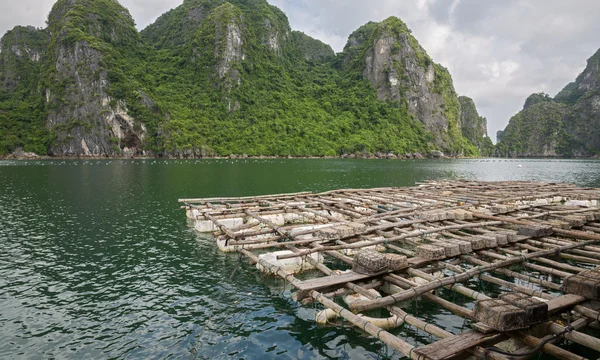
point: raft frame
(527, 223)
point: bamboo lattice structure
(390, 245)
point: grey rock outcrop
(474, 126)
(400, 70)
(232, 50)
(568, 125)
(582, 123)
(85, 118)
(21, 51)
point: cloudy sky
(498, 51)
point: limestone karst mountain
(221, 77)
(566, 125)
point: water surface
(97, 259)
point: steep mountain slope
(582, 123)
(568, 125)
(474, 126)
(538, 130)
(22, 122)
(401, 71)
(89, 81)
(268, 90)
(220, 77)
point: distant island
(216, 78)
(567, 125)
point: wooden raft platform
(385, 246)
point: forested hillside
(212, 77)
(567, 125)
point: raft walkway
(379, 248)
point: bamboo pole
(532, 341)
(409, 294)
(591, 314)
(575, 336)
(276, 228)
(544, 269)
(392, 278)
(397, 238)
(357, 321)
(221, 227)
(245, 198)
(514, 274)
(565, 256)
(570, 233)
(544, 243)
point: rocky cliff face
(570, 122)
(582, 123)
(400, 70)
(474, 127)
(219, 77)
(535, 131)
(87, 107)
(21, 51)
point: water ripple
(98, 261)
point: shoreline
(241, 157)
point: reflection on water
(97, 260)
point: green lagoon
(98, 261)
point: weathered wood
(564, 302)
(372, 262)
(452, 345)
(535, 231)
(500, 315)
(586, 284)
(328, 281)
(431, 252)
(409, 294)
(452, 217)
(570, 233)
(245, 198)
(536, 310)
(412, 234)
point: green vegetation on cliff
(215, 77)
(536, 131)
(281, 104)
(403, 74)
(568, 125)
(474, 127)
(22, 113)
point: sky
(498, 51)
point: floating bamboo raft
(379, 248)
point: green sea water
(98, 261)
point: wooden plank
(328, 281)
(564, 302)
(417, 262)
(483, 328)
(452, 345)
(245, 198)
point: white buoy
(520, 166)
